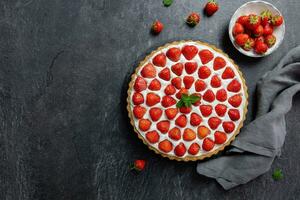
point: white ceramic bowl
(256, 7)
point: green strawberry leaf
(167, 3)
(277, 175)
(180, 104)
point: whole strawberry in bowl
(256, 29)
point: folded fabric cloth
(261, 140)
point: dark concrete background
(64, 132)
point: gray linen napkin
(261, 140)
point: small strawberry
(221, 95)
(204, 72)
(177, 69)
(170, 90)
(198, 102)
(194, 149)
(253, 22)
(148, 71)
(165, 74)
(193, 19)
(144, 124)
(268, 29)
(266, 16)
(157, 27)
(139, 111)
(241, 39)
(168, 101)
(208, 144)
(215, 81)
(211, 7)
(181, 91)
(260, 39)
(155, 113)
(152, 136)
(190, 67)
(188, 81)
(270, 40)
(214, 122)
(180, 149)
(219, 63)
(165, 146)
(181, 121)
(235, 100)
(243, 20)
(171, 113)
(258, 31)
(160, 60)
(174, 133)
(260, 47)
(163, 126)
(237, 29)
(277, 20)
(221, 109)
(203, 131)
(220, 137)
(228, 127)
(228, 73)
(152, 99)
(189, 51)
(206, 110)
(234, 86)
(140, 84)
(200, 85)
(139, 165)
(188, 134)
(176, 82)
(137, 98)
(185, 110)
(209, 96)
(154, 85)
(205, 56)
(249, 44)
(195, 119)
(234, 114)
(174, 54)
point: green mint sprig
(187, 100)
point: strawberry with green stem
(211, 7)
(138, 165)
(193, 19)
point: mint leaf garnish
(167, 3)
(277, 174)
(187, 101)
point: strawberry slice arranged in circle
(214, 122)
(152, 99)
(165, 146)
(155, 113)
(168, 101)
(219, 63)
(154, 85)
(180, 149)
(206, 56)
(189, 134)
(175, 134)
(194, 149)
(220, 137)
(234, 114)
(165, 74)
(181, 121)
(176, 82)
(228, 73)
(221, 109)
(160, 60)
(209, 96)
(137, 98)
(189, 51)
(206, 110)
(204, 72)
(148, 71)
(235, 100)
(171, 113)
(190, 67)
(163, 126)
(139, 111)
(177, 69)
(215, 81)
(188, 81)
(200, 85)
(234, 86)
(221, 95)
(195, 119)
(152, 137)
(228, 127)
(140, 84)
(174, 54)
(208, 144)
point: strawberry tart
(187, 100)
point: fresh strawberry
(193, 19)
(268, 29)
(260, 39)
(234, 114)
(160, 60)
(140, 84)
(221, 95)
(249, 44)
(258, 31)
(220, 137)
(155, 113)
(165, 146)
(206, 110)
(243, 20)
(208, 144)
(277, 20)
(200, 85)
(228, 73)
(174, 54)
(214, 122)
(253, 22)
(270, 40)
(194, 149)
(152, 136)
(203, 131)
(188, 81)
(237, 29)
(157, 27)
(221, 109)
(189, 51)
(176, 82)
(235, 100)
(148, 71)
(190, 67)
(168, 101)
(171, 113)
(180, 149)
(209, 96)
(205, 56)
(163, 126)
(211, 7)
(215, 81)
(195, 119)
(174, 133)
(234, 86)
(144, 124)
(152, 99)
(188, 134)
(241, 39)
(204, 72)
(228, 127)
(185, 110)
(165, 74)
(177, 69)
(181, 91)
(197, 103)
(154, 85)
(266, 16)
(260, 47)
(139, 111)
(170, 90)
(139, 165)
(181, 121)
(137, 98)
(219, 63)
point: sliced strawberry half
(163, 126)
(176, 82)
(215, 81)
(228, 127)
(195, 119)
(189, 51)
(170, 90)
(140, 84)
(180, 149)
(181, 121)
(214, 122)
(219, 63)
(152, 99)
(234, 86)
(188, 81)
(203, 131)
(144, 124)
(208, 144)
(206, 56)
(165, 74)
(174, 133)
(165, 146)
(228, 73)
(221, 95)
(206, 110)
(168, 101)
(220, 137)
(148, 71)
(204, 72)
(209, 95)
(160, 60)
(152, 137)
(189, 134)
(234, 114)
(155, 113)
(154, 85)
(139, 111)
(194, 149)
(137, 98)
(171, 113)
(190, 67)
(200, 85)
(177, 69)
(174, 54)
(221, 109)
(235, 100)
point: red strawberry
(208, 144)
(268, 29)
(211, 7)
(220, 137)
(189, 51)
(241, 39)
(176, 82)
(174, 54)
(177, 69)
(171, 113)
(163, 126)
(214, 122)
(249, 44)
(215, 81)
(261, 39)
(209, 96)
(243, 20)
(237, 29)
(260, 47)
(235, 100)
(195, 119)
(190, 67)
(160, 60)
(180, 149)
(174, 133)
(277, 20)
(168, 101)
(204, 72)
(265, 17)
(270, 40)
(157, 27)
(206, 56)
(203, 131)
(140, 84)
(219, 63)
(258, 31)
(137, 98)
(152, 136)
(194, 149)
(228, 73)
(188, 81)
(154, 85)
(200, 85)
(221, 109)
(155, 113)
(234, 114)
(221, 95)
(165, 74)
(144, 124)
(181, 121)
(206, 110)
(152, 99)
(148, 71)
(185, 110)
(228, 127)
(188, 134)
(253, 22)
(139, 111)
(139, 165)
(181, 91)
(165, 146)
(197, 103)
(170, 90)
(234, 86)
(193, 19)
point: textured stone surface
(64, 70)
